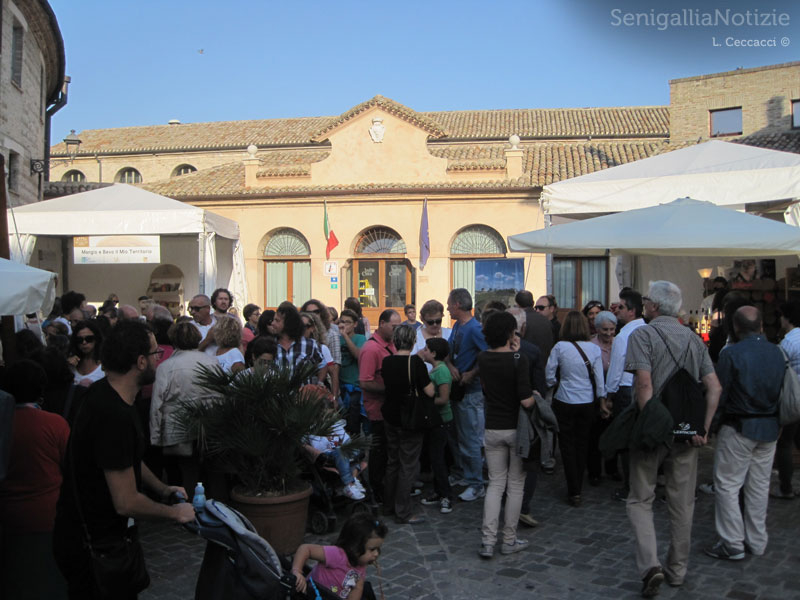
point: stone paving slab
(581, 553)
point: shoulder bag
(418, 412)
(117, 563)
(789, 400)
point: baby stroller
(238, 564)
(325, 501)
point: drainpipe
(60, 102)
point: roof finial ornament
(514, 141)
(252, 149)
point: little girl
(343, 567)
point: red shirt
(29, 494)
(369, 369)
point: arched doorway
(287, 268)
(382, 276)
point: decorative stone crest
(377, 130)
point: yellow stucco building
(376, 164)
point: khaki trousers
(680, 470)
(505, 474)
(740, 462)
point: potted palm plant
(256, 429)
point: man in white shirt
(200, 309)
(619, 383)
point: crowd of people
(509, 389)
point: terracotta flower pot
(281, 520)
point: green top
(349, 371)
(440, 375)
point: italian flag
(329, 235)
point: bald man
(751, 373)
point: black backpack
(685, 399)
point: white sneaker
(352, 492)
(359, 486)
(472, 493)
(456, 481)
(706, 488)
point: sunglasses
(313, 310)
(541, 307)
(196, 308)
(89, 339)
(308, 325)
(433, 322)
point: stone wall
(765, 95)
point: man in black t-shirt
(103, 472)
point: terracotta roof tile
(624, 122)
(390, 106)
(786, 141)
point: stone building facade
(31, 89)
(374, 167)
(764, 99)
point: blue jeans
(470, 424)
(343, 466)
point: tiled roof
(632, 121)
(787, 142)
(625, 122)
(544, 163)
(388, 105)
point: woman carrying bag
(506, 386)
(579, 398)
(408, 409)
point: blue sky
(146, 62)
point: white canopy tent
(683, 227)
(724, 173)
(122, 209)
(25, 289)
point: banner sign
(116, 249)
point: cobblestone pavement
(575, 553)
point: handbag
(117, 563)
(789, 400)
(418, 412)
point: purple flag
(424, 240)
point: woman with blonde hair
(228, 336)
(314, 328)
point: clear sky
(145, 62)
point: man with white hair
(650, 358)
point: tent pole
(7, 324)
(201, 243)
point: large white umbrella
(25, 289)
(683, 227)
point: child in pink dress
(343, 567)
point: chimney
(514, 158)
(251, 166)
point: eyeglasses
(89, 339)
(541, 307)
(157, 353)
(308, 325)
(433, 322)
(196, 308)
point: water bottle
(199, 499)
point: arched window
(382, 274)
(478, 239)
(74, 175)
(182, 170)
(287, 268)
(479, 265)
(129, 175)
(380, 240)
